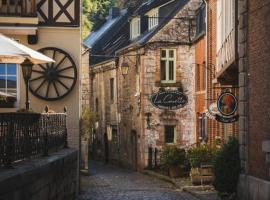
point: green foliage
(199, 155)
(94, 12)
(88, 121)
(226, 166)
(172, 156)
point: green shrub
(172, 156)
(199, 155)
(226, 167)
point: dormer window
(152, 18)
(135, 27)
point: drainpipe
(206, 63)
(117, 110)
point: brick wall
(258, 86)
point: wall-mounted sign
(227, 105)
(169, 99)
(224, 110)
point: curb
(160, 176)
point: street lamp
(124, 68)
(27, 66)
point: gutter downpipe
(206, 63)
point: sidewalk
(206, 192)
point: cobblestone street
(113, 183)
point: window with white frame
(135, 27)
(8, 82)
(153, 18)
(225, 20)
(168, 65)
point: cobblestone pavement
(113, 183)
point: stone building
(129, 68)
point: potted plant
(7, 101)
(200, 159)
(173, 160)
(88, 121)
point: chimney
(114, 12)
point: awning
(14, 52)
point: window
(112, 89)
(135, 28)
(152, 19)
(169, 134)
(225, 20)
(8, 81)
(114, 134)
(200, 77)
(168, 66)
(201, 128)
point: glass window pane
(171, 70)
(169, 134)
(163, 70)
(2, 69)
(11, 69)
(171, 53)
(2, 82)
(11, 82)
(163, 53)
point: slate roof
(113, 35)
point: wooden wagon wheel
(53, 81)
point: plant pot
(174, 171)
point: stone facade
(130, 123)
(49, 178)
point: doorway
(134, 149)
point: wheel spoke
(56, 90)
(54, 53)
(64, 69)
(48, 88)
(37, 71)
(40, 85)
(35, 79)
(42, 66)
(62, 84)
(68, 77)
(60, 62)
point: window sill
(160, 84)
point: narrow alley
(107, 182)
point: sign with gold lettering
(169, 99)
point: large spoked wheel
(53, 81)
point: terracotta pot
(174, 171)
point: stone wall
(47, 178)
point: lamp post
(27, 66)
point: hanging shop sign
(169, 99)
(227, 105)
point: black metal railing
(30, 135)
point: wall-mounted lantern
(27, 66)
(124, 68)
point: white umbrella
(14, 52)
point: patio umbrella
(14, 52)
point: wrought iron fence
(30, 135)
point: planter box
(201, 176)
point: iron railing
(30, 135)
(22, 8)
